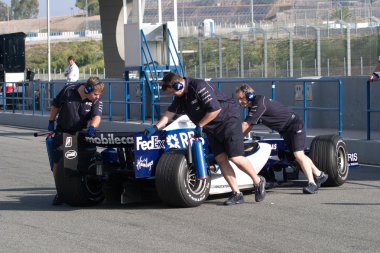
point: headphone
(177, 85)
(250, 96)
(89, 87)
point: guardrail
(306, 108)
(35, 97)
(274, 82)
(369, 110)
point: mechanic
(290, 126)
(219, 117)
(78, 107)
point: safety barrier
(304, 81)
(35, 98)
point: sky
(57, 7)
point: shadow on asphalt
(40, 198)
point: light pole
(8, 19)
(252, 21)
(48, 38)
(86, 17)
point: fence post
(305, 103)
(368, 110)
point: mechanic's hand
(91, 130)
(375, 75)
(51, 125)
(150, 131)
(198, 132)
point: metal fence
(283, 52)
(131, 101)
(58, 74)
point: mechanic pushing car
(290, 126)
(219, 117)
(78, 107)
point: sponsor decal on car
(179, 139)
(153, 143)
(353, 159)
(110, 139)
(71, 154)
(69, 142)
(144, 163)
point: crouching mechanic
(219, 117)
(78, 107)
(289, 125)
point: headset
(89, 87)
(250, 96)
(177, 86)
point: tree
(4, 8)
(342, 13)
(24, 9)
(92, 6)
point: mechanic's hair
(71, 58)
(94, 84)
(169, 80)
(245, 88)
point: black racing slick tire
(176, 182)
(77, 188)
(328, 152)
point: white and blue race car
(124, 165)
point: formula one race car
(123, 165)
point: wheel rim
(195, 185)
(342, 162)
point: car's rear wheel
(176, 182)
(328, 152)
(78, 189)
(81, 187)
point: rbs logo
(352, 157)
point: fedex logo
(153, 143)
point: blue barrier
(305, 107)
(41, 94)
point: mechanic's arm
(375, 73)
(165, 119)
(53, 113)
(246, 128)
(95, 121)
(208, 118)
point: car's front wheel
(176, 182)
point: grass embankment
(87, 54)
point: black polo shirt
(202, 97)
(75, 113)
(269, 113)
